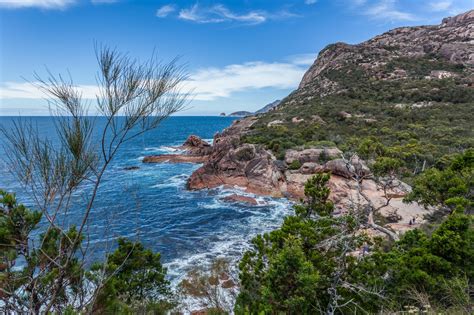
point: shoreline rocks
(195, 150)
(235, 164)
(196, 146)
(234, 198)
(255, 169)
(174, 158)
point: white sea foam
(177, 181)
(164, 149)
(232, 242)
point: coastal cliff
(386, 98)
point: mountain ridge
(451, 41)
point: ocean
(151, 204)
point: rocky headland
(255, 170)
(232, 162)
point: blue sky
(241, 55)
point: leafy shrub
(295, 165)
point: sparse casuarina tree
(46, 273)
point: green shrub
(295, 165)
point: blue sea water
(151, 204)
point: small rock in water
(131, 168)
(240, 199)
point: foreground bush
(131, 279)
(317, 263)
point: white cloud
(250, 17)
(439, 6)
(386, 10)
(194, 14)
(42, 4)
(165, 10)
(213, 83)
(207, 84)
(219, 13)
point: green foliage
(135, 277)
(290, 270)
(450, 185)
(386, 165)
(426, 264)
(16, 226)
(317, 198)
(369, 148)
(307, 266)
(295, 165)
(415, 120)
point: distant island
(262, 110)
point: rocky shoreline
(230, 163)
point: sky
(240, 55)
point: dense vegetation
(316, 262)
(416, 119)
(320, 263)
(131, 279)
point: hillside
(376, 145)
(393, 106)
(268, 107)
(262, 110)
(410, 90)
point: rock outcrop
(235, 164)
(354, 168)
(240, 199)
(255, 170)
(451, 41)
(311, 155)
(195, 150)
(196, 146)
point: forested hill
(407, 94)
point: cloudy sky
(240, 55)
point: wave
(177, 181)
(165, 149)
(231, 241)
